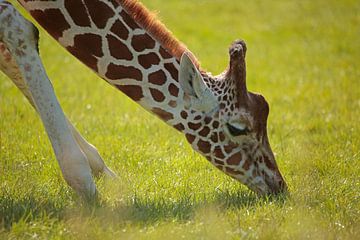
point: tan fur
(155, 28)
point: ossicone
(237, 68)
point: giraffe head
(231, 130)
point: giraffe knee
(15, 30)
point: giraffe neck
(104, 35)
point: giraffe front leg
(19, 39)
(97, 164)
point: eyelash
(235, 131)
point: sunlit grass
(302, 55)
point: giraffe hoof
(109, 173)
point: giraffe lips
(276, 185)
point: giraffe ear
(189, 77)
(193, 85)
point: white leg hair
(19, 60)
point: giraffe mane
(156, 29)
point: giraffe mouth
(269, 186)
(265, 190)
(276, 185)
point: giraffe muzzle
(276, 185)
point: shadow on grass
(28, 208)
(140, 210)
(148, 210)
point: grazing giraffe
(126, 46)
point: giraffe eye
(237, 130)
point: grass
(302, 55)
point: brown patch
(129, 21)
(99, 12)
(207, 119)
(77, 12)
(204, 132)
(215, 124)
(155, 28)
(268, 163)
(190, 138)
(147, 60)
(142, 42)
(120, 30)
(194, 126)
(221, 136)
(179, 127)
(174, 90)
(157, 95)
(234, 159)
(115, 72)
(229, 148)
(233, 172)
(246, 165)
(204, 146)
(164, 115)
(184, 114)
(90, 43)
(172, 104)
(214, 137)
(219, 162)
(86, 48)
(164, 53)
(52, 20)
(132, 91)
(220, 167)
(218, 152)
(86, 58)
(197, 117)
(172, 70)
(118, 49)
(157, 78)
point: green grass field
(303, 56)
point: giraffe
(124, 44)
